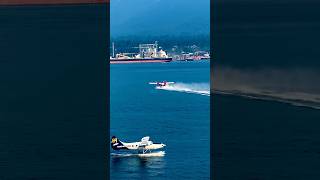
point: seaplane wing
(162, 82)
(145, 140)
(144, 145)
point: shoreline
(154, 61)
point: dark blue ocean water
(177, 118)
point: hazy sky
(159, 17)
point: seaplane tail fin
(116, 144)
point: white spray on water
(194, 88)
(152, 154)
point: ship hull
(126, 61)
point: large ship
(148, 53)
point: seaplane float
(162, 84)
(143, 148)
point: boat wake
(193, 88)
(152, 154)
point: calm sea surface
(178, 117)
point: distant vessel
(148, 53)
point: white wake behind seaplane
(144, 147)
(162, 84)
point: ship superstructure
(147, 53)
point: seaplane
(144, 147)
(162, 84)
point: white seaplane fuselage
(162, 84)
(137, 146)
(144, 146)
